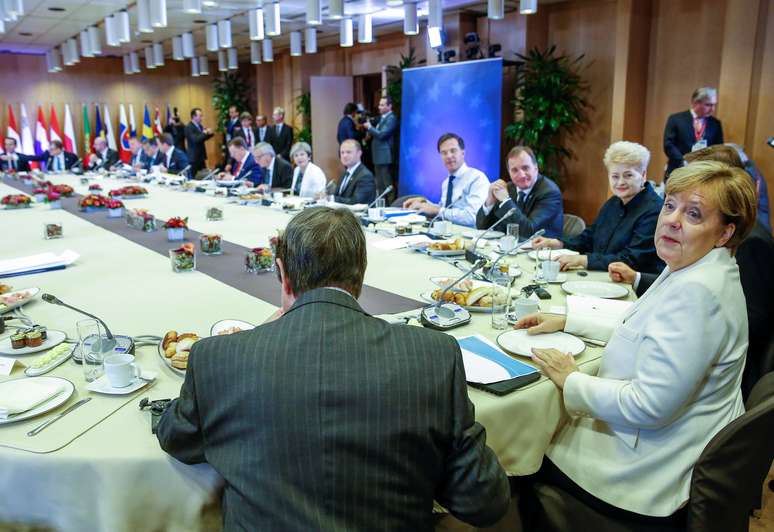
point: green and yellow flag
(86, 132)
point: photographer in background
(176, 128)
(349, 128)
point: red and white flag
(13, 131)
(54, 133)
(157, 129)
(69, 132)
(40, 145)
(27, 146)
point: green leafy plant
(304, 108)
(229, 89)
(550, 105)
(394, 87)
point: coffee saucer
(102, 385)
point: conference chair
(726, 484)
(573, 225)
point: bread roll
(171, 336)
(171, 349)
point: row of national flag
(103, 127)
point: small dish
(102, 385)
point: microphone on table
(380, 196)
(445, 315)
(210, 174)
(537, 233)
(104, 345)
(471, 255)
(184, 170)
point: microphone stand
(104, 345)
(538, 233)
(380, 196)
(471, 254)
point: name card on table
(6, 365)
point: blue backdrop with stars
(464, 98)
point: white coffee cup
(550, 270)
(507, 243)
(524, 307)
(277, 196)
(441, 227)
(121, 370)
(375, 213)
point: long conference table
(100, 468)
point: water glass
(501, 284)
(513, 230)
(92, 346)
(542, 254)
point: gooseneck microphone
(105, 345)
(380, 196)
(538, 233)
(184, 170)
(486, 232)
(478, 265)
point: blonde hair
(629, 154)
(729, 189)
(279, 111)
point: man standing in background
(196, 135)
(692, 130)
(232, 122)
(280, 135)
(382, 147)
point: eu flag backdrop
(463, 98)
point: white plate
(522, 249)
(520, 343)
(53, 339)
(492, 235)
(428, 296)
(102, 385)
(423, 248)
(555, 254)
(168, 361)
(227, 324)
(49, 405)
(439, 282)
(595, 289)
(34, 291)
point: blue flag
(147, 129)
(99, 131)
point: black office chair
(725, 487)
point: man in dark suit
(103, 157)
(243, 165)
(153, 157)
(246, 131)
(57, 159)
(13, 161)
(176, 128)
(357, 184)
(693, 129)
(173, 160)
(261, 129)
(277, 173)
(357, 424)
(232, 122)
(347, 128)
(383, 147)
(280, 134)
(537, 199)
(195, 136)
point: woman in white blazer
(308, 178)
(670, 375)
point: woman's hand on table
(573, 262)
(540, 323)
(554, 364)
(542, 242)
(621, 273)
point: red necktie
(237, 169)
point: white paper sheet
(36, 262)
(401, 242)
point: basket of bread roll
(175, 347)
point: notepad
(486, 364)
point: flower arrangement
(176, 223)
(95, 186)
(92, 202)
(183, 259)
(259, 260)
(39, 190)
(141, 219)
(211, 244)
(63, 190)
(15, 201)
(114, 204)
(53, 196)
(128, 191)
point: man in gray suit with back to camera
(326, 418)
(383, 147)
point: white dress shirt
(168, 157)
(313, 182)
(469, 192)
(669, 381)
(58, 163)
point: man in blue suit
(13, 161)
(173, 160)
(383, 147)
(693, 129)
(348, 128)
(243, 165)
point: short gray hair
(323, 247)
(300, 146)
(279, 111)
(704, 93)
(263, 148)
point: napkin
(24, 394)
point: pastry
(187, 335)
(18, 341)
(171, 336)
(170, 350)
(34, 339)
(180, 360)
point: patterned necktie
(520, 200)
(297, 189)
(449, 190)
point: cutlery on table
(59, 416)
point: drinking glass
(542, 254)
(513, 230)
(94, 346)
(501, 283)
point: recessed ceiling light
(199, 21)
(209, 3)
(56, 9)
(24, 34)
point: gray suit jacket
(384, 134)
(329, 419)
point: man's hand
(499, 191)
(429, 209)
(263, 188)
(570, 262)
(542, 242)
(207, 131)
(248, 184)
(93, 158)
(621, 273)
(163, 168)
(414, 203)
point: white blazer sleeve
(671, 357)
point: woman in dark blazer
(623, 230)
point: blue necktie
(520, 200)
(449, 191)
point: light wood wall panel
(102, 80)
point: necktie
(169, 160)
(268, 177)
(279, 128)
(58, 163)
(344, 183)
(297, 188)
(249, 138)
(238, 169)
(520, 200)
(449, 190)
